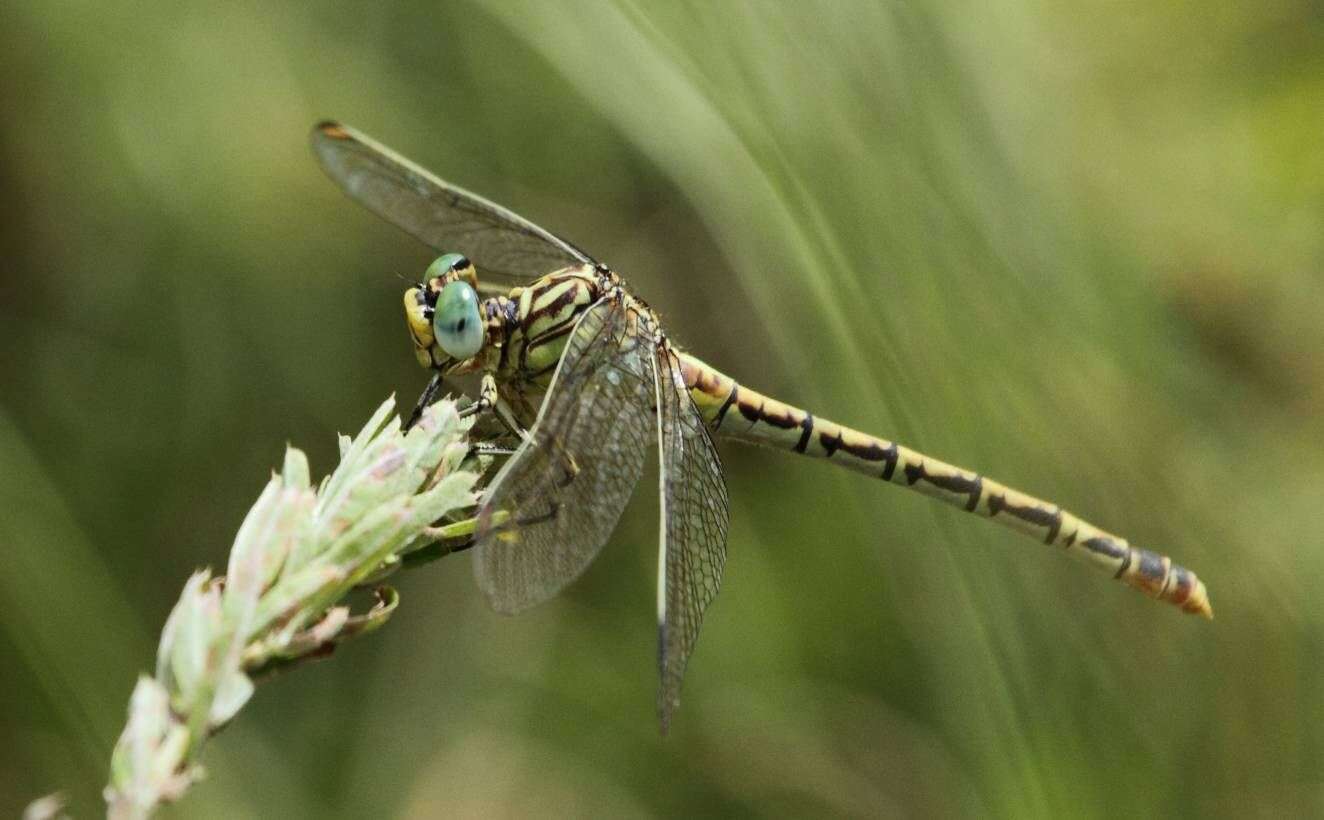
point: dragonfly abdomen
(734, 411)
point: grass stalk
(393, 501)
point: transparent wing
(563, 491)
(694, 520)
(440, 214)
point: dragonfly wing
(442, 215)
(695, 513)
(555, 502)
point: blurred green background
(1078, 248)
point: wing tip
(666, 708)
(332, 129)
(667, 699)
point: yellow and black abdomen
(737, 412)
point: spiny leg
(459, 536)
(489, 400)
(488, 448)
(443, 540)
(428, 396)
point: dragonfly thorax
(544, 314)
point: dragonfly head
(444, 314)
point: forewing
(555, 502)
(442, 215)
(694, 520)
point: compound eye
(457, 322)
(443, 265)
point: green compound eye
(456, 321)
(443, 265)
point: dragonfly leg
(550, 514)
(445, 539)
(570, 468)
(506, 416)
(487, 397)
(487, 448)
(429, 395)
(489, 400)
(553, 510)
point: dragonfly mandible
(581, 373)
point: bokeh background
(1076, 247)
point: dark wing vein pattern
(694, 520)
(565, 488)
(442, 215)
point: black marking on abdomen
(954, 484)
(829, 443)
(751, 413)
(1126, 564)
(1054, 527)
(1151, 566)
(807, 426)
(784, 421)
(1181, 579)
(1107, 546)
(1039, 516)
(976, 490)
(871, 451)
(726, 405)
(890, 456)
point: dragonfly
(582, 376)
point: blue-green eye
(443, 265)
(456, 321)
